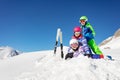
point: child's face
(82, 22)
(77, 34)
(74, 46)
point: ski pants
(94, 47)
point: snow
(44, 65)
(6, 52)
(113, 44)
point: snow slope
(44, 65)
(112, 42)
(6, 52)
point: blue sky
(30, 25)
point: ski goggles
(77, 33)
(82, 21)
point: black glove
(88, 55)
(69, 55)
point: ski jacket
(75, 53)
(83, 42)
(88, 31)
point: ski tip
(58, 29)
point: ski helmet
(84, 18)
(77, 29)
(73, 41)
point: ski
(59, 35)
(61, 45)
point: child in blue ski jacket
(89, 33)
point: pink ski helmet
(77, 29)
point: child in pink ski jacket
(82, 40)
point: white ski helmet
(73, 41)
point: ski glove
(88, 55)
(69, 55)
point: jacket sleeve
(70, 50)
(85, 46)
(91, 28)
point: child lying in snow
(75, 49)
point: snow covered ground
(44, 65)
(6, 52)
(114, 43)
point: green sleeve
(88, 25)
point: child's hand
(69, 55)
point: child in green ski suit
(89, 33)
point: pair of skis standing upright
(59, 35)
